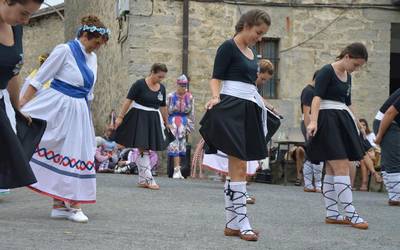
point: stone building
(304, 35)
(44, 31)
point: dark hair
(355, 51)
(23, 2)
(157, 67)
(252, 18)
(92, 20)
(367, 130)
(315, 74)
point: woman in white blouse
(64, 160)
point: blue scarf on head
(87, 74)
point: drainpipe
(185, 38)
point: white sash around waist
(329, 104)
(248, 92)
(379, 116)
(145, 108)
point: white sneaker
(4, 191)
(77, 215)
(60, 213)
(177, 174)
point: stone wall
(41, 35)
(112, 59)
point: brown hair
(355, 51)
(266, 66)
(367, 130)
(252, 18)
(23, 2)
(92, 20)
(157, 67)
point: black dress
(16, 149)
(337, 137)
(139, 128)
(234, 126)
(306, 98)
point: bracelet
(121, 116)
(215, 97)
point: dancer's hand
(211, 103)
(378, 139)
(118, 122)
(312, 129)
(28, 118)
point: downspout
(185, 38)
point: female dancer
(235, 122)
(334, 133)
(64, 160)
(18, 139)
(387, 128)
(143, 126)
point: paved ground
(189, 215)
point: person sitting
(367, 163)
(128, 165)
(106, 153)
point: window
(268, 48)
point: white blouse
(61, 65)
(371, 138)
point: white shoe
(77, 215)
(4, 191)
(60, 213)
(177, 173)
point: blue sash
(87, 75)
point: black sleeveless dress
(16, 149)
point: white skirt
(64, 161)
(219, 163)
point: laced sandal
(250, 199)
(249, 235)
(339, 220)
(231, 232)
(362, 225)
(309, 190)
(355, 219)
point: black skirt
(234, 126)
(141, 129)
(337, 138)
(17, 150)
(365, 143)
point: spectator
(181, 121)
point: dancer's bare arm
(389, 116)
(125, 106)
(215, 86)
